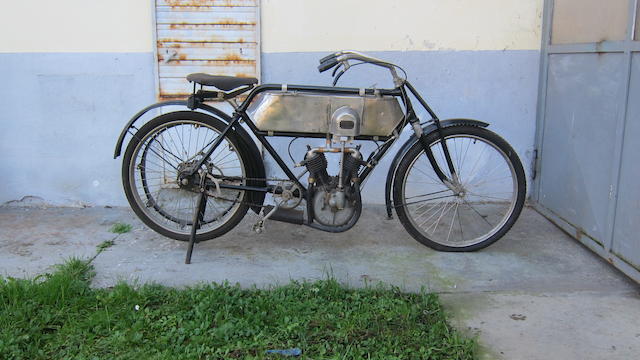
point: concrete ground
(535, 294)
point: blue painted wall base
(62, 112)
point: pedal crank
(259, 225)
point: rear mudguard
(255, 168)
(428, 129)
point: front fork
(452, 183)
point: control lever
(337, 77)
(335, 70)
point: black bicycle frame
(240, 114)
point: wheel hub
(456, 186)
(185, 180)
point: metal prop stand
(198, 215)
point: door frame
(627, 47)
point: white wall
(76, 26)
(383, 25)
(287, 25)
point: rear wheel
(482, 204)
(153, 169)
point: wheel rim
(153, 174)
(473, 212)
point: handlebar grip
(326, 65)
(328, 57)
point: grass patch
(120, 228)
(60, 316)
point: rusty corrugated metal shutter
(218, 37)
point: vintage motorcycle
(194, 174)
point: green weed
(105, 245)
(120, 228)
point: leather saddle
(224, 83)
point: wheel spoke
(432, 193)
(435, 198)
(445, 209)
(483, 217)
(429, 176)
(453, 218)
(439, 205)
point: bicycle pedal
(259, 227)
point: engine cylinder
(350, 167)
(317, 165)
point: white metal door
(589, 125)
(219, 37)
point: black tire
(472, 134)
(149, 132)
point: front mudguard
(255, 167)
(426, 130)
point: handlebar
(341, 58)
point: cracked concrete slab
(534, 294)
(582, 325)
(32, 239)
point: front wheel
(153, 174)
(484, 202)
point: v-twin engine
(334, 201)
